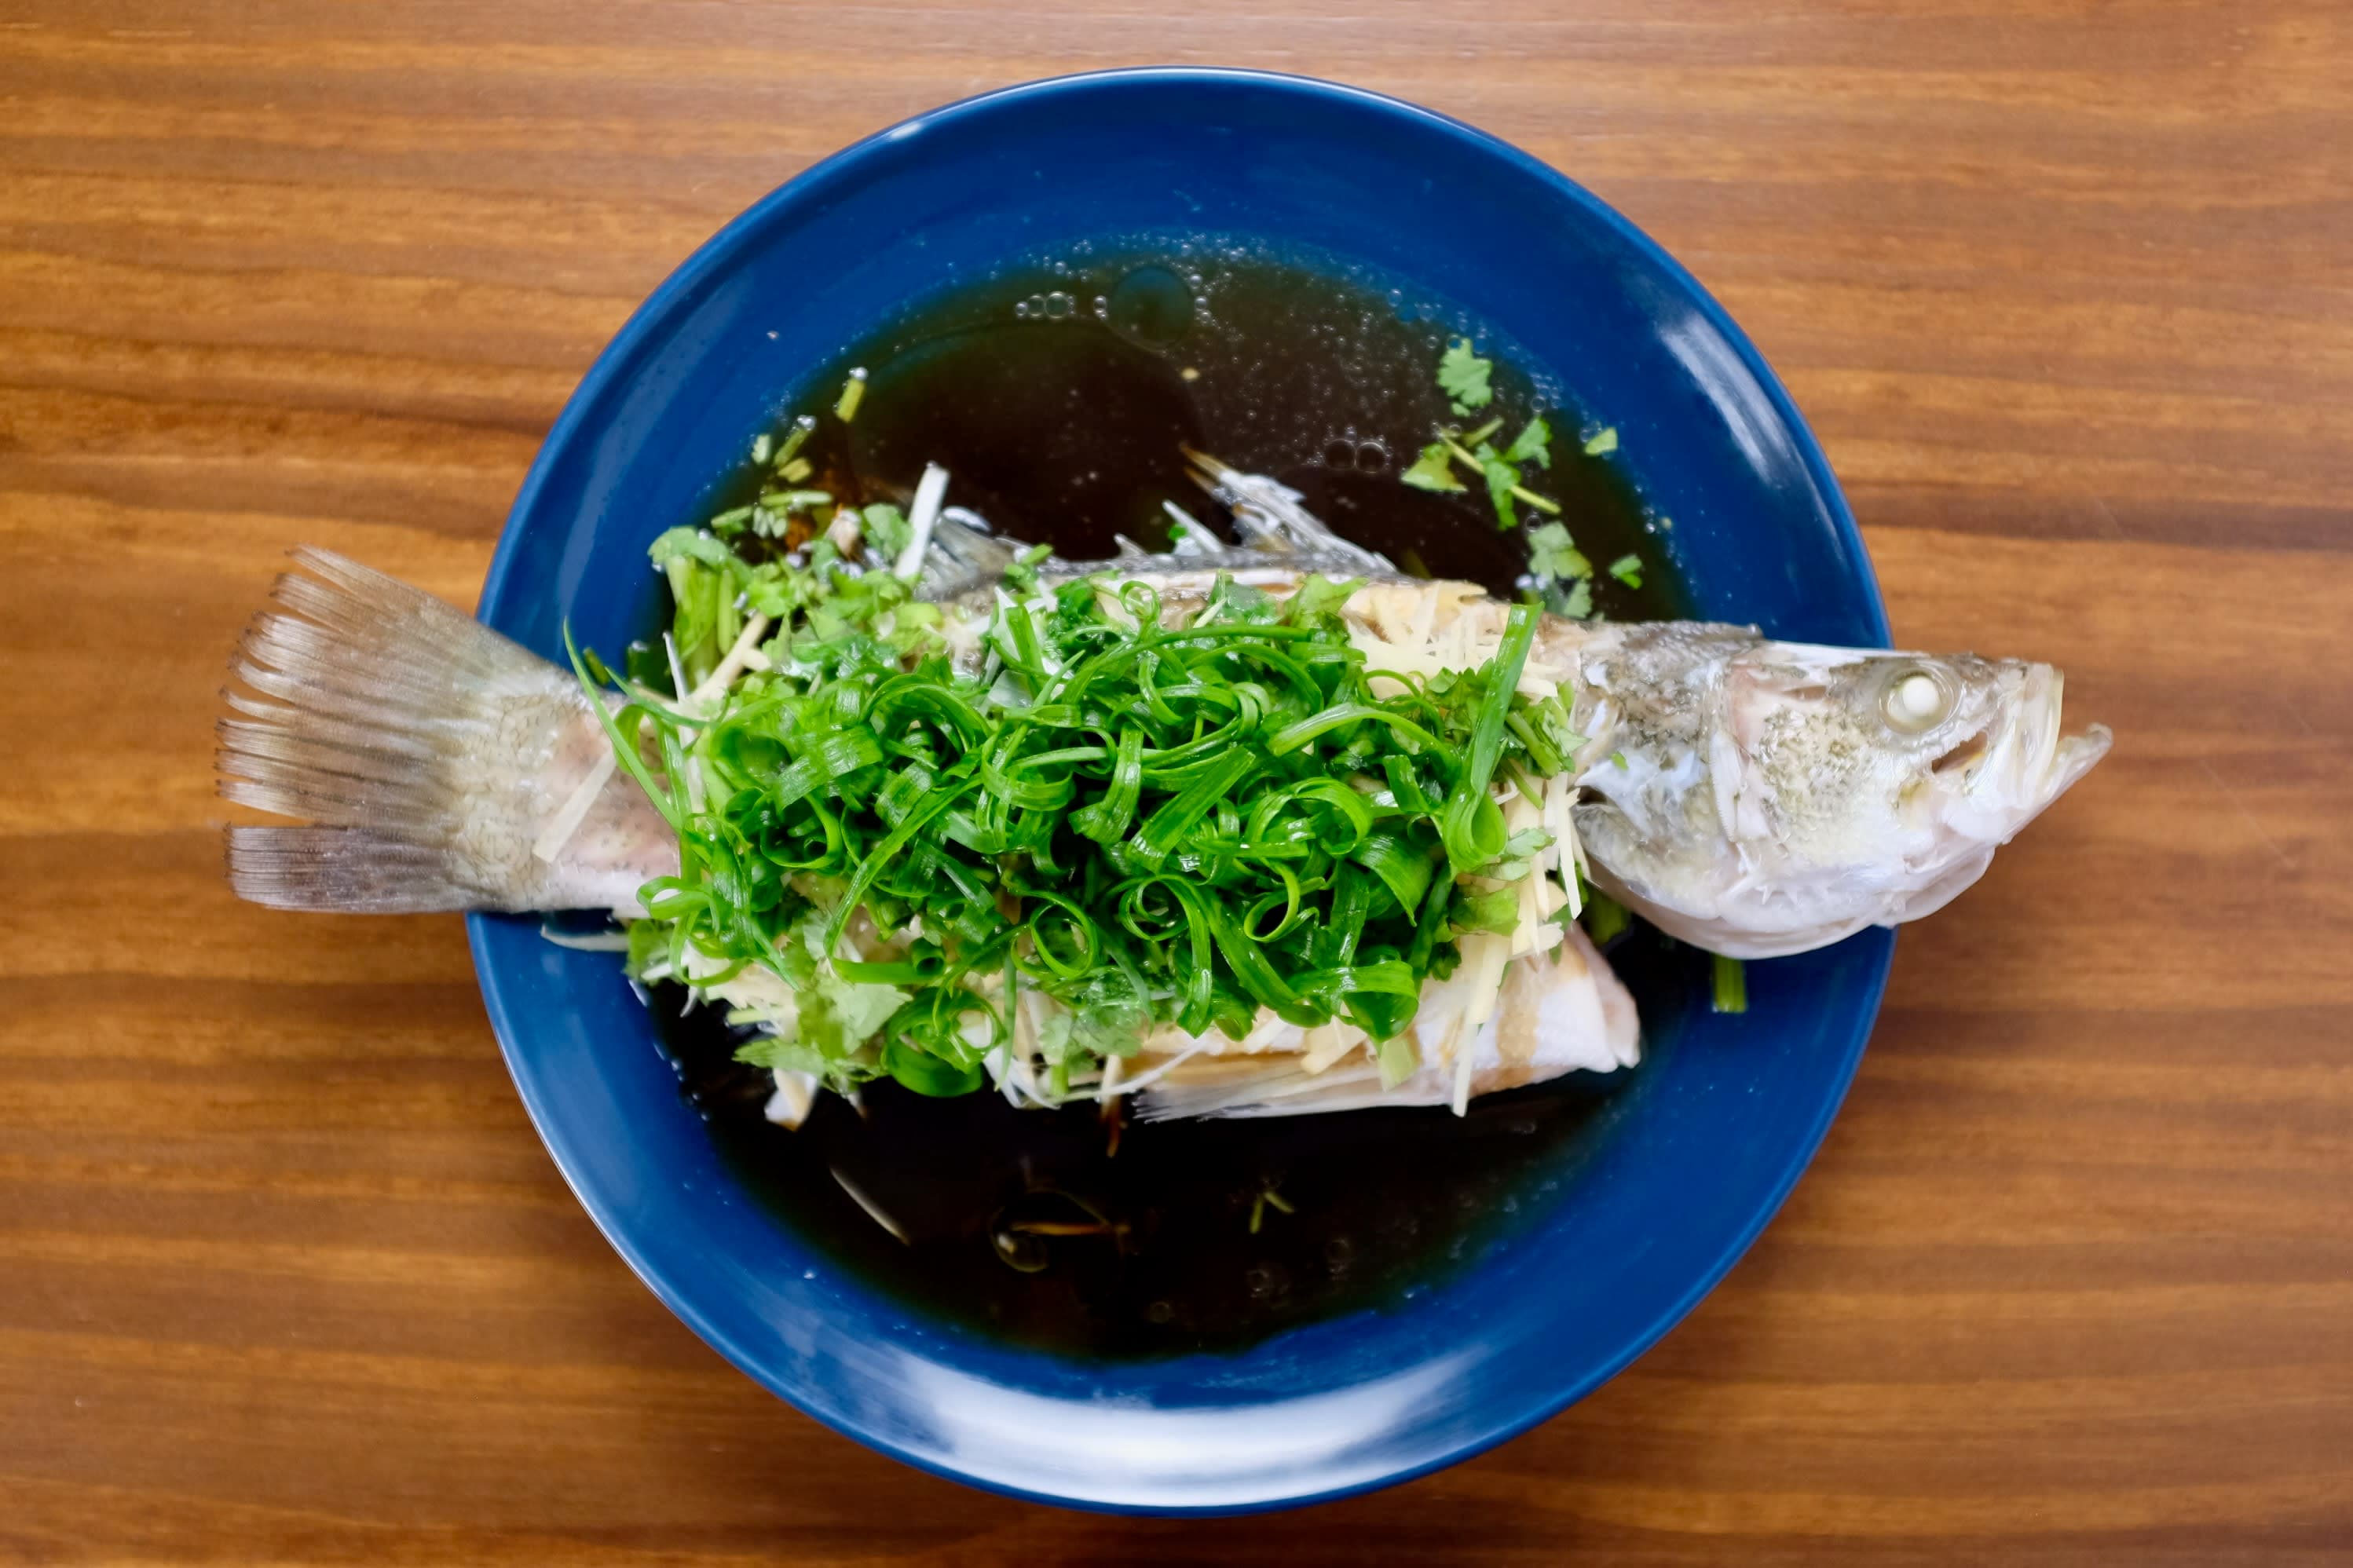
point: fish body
(1751, 797)
(1555, 1009)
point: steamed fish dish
(1244, 828)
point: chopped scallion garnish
(1731, 991)
(853, 393)
(802, 428)
(1146, 822)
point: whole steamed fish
(1750, 797)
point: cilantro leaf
(1497, 913)
(1524, 843)
(1575, 602)
(1603, 444)
(1237, 603)
(1503, 479)
(1553, 555)
(1463, 377)
(1318, 599)
(780, 1055)
(1532, 445)
(1628, 569)
(1434, 472)
(841, 1015)
(688, 544)
(915, 625)
(1553, 726)
(887, 529)
(837, 1017)
(775, 590)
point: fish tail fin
(432, 758)
(350, 870)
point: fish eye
(1915, 701)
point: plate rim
(710, 259)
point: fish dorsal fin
(1271, 521)
(964, 556)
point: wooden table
(2067, 289)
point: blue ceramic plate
(1698, 1152)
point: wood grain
(2067, 288)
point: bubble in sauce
(1152, 306)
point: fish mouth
(2051, 761)
(2075, 756)
(2002, 776)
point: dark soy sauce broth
(1058, 397)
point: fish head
(1832, 789)
(1894, 776)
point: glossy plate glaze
(1697, 1152)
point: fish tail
(434, 760)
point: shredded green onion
(1606, 919)
(1149, 816)
(853, 393)
(802, 428)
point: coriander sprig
(1559, 575)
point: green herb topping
(1148, 813)
(1462, 376)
